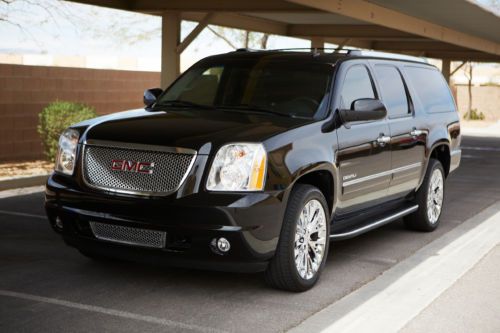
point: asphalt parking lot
(46, 286)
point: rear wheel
(430, 199)
(303, 245)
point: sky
(62, 28)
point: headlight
(238, 167)
(66, 155)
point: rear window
(431, 88)
(392, 90)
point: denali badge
(132, 166)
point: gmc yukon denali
(253, 161)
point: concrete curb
(392, 300)
(26, 181)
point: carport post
(317, 42)
(170, 39)
(446, 69)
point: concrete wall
(485, 99)
(26, 90)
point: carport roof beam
(194, 33)
(375, 14)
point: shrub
(55, 118)
(474, 115)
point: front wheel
(430, 199)
(303, 244)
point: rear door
(364, 159)
(407, 139)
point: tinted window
(392, 90)
(357, 84)
(431, 89)
(291, 88)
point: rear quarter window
(431, 89)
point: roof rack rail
(347, 51)
(306, 49)
(246, 49)
(313, 49)
(386, 55)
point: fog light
(59, 223)
(223, 245)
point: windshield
(279, 88)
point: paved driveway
(46, 286)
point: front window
(282, 88)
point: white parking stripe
(8, 212)
(21, 191)
(389, 302)
(482, 148)
(106, 311)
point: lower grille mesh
(127, 235)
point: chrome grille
(169, 170)
(127, 235)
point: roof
(447, 29)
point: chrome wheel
(310, 239)
(435, 196)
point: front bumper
(250, 221)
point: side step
(374, 225)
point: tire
(284, 271)
(430, 205)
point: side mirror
(150, 96)
(364, 109)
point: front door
(364, 155)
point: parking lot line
(8, 212)
(481, 148)
(389, 302)
(112, 312)
(21, 191)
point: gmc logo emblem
(132, 166)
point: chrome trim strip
(138, 146)
(381, 174)
(374, 225)
(114, 144)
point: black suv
(254, 160)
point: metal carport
(450, 30)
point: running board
(374, 225)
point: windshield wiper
(252, 108)
(181, 103)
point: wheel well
(442, 154)
(323, 180)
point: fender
(326, 166)
(428, 153)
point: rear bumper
(250, 221)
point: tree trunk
(263, 41)
(247, 39)
(469, 90)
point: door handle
(416, 132)
(382, 140)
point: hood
(187, 128)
